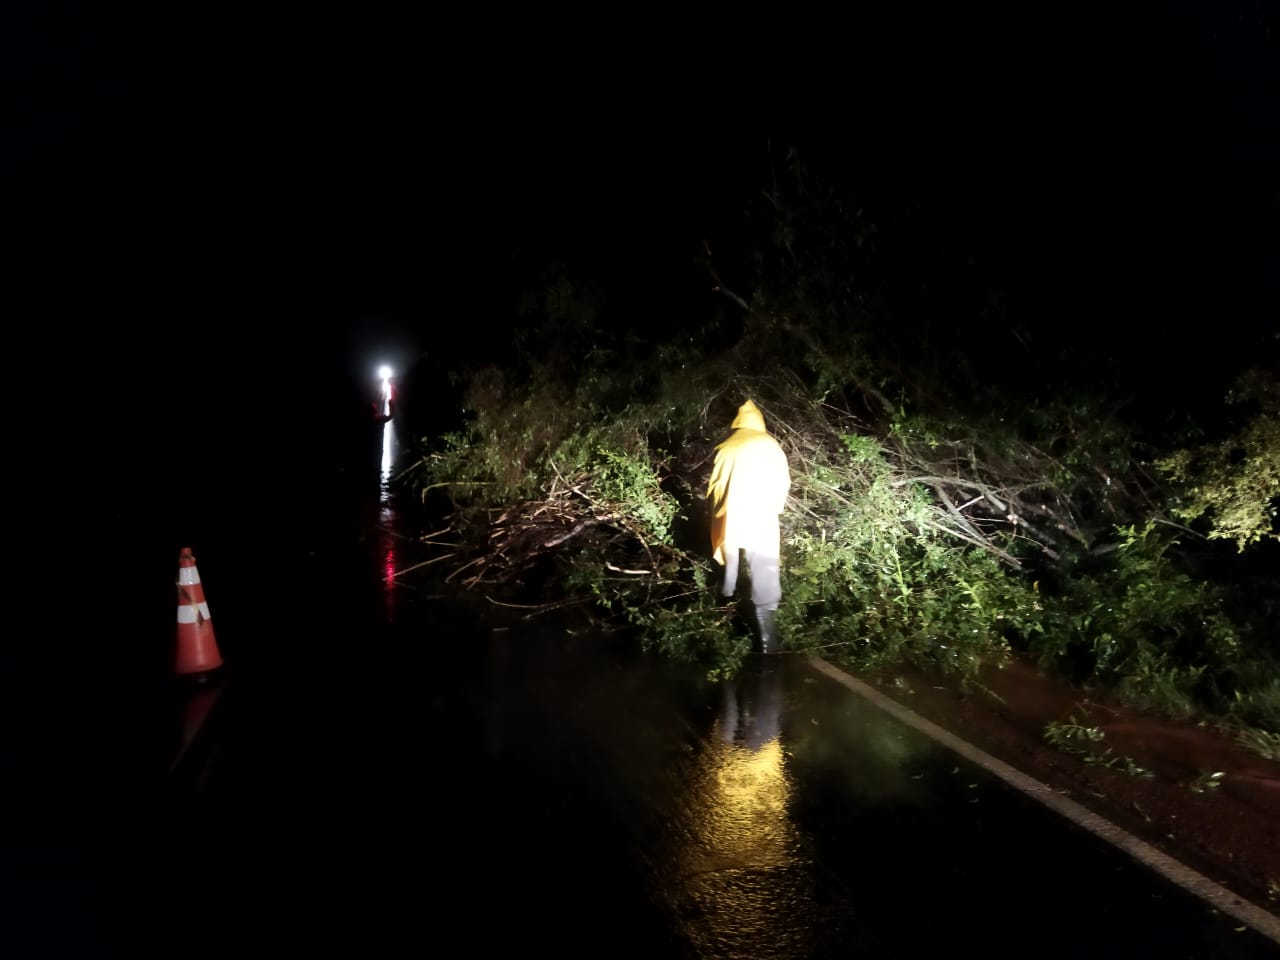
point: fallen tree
(934, 517)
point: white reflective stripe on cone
(188, 615)
(188, 576)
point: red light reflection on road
(387, 521)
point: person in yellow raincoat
(748, 490)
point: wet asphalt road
(392, 771)
(518, 793)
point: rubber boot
(766, 621)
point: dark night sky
(208, 195)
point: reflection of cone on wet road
(197, 648)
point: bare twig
(577, 529)
(960, 518)
(471, 563)
(1178, 526)
(980, 543)
(720, 287)
(419, 566)
(634, 573)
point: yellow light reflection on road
(744, 819)
(744, 859)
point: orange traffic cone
(197, 648)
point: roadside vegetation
(959, 495)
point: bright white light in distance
(384, 372)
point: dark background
(224, 218)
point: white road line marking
(1232, 904)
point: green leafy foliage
(1145, 630)
(1206, 781)
(1080, 741)
(932, 519)
(1235, 481)
(870, 579)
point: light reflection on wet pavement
(393, 769)
(564, 794)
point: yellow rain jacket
(748, 488)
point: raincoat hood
(749, 418)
